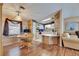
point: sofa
(70, 41)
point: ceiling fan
(20, 8)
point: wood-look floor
(39, 50)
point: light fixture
(47, 19)
(18, 17)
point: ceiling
(39, 11)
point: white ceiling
(35, 11)
(40, 11)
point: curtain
(5, 32)
(12, 25)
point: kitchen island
(50, 39)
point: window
(72, 26)
(12, 27)
(50, 26)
